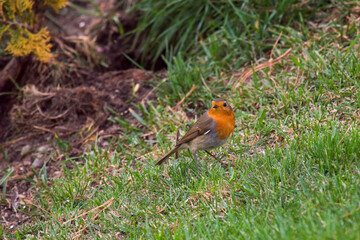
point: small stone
(38, 163)
(105, 143)
(27, 160)
(25, 150)
(44, 148)
(58, 174)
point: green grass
(171, 27)
(295, 152)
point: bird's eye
(225, 105)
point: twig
(248, 73)
(89, 136)
(345, 133)
(29, 202)
(15, 23)
(17, 140)
(92, 219)
(33, 91)
(272, 52)
(44, 129)
(153, 90)
(187, 95)
(176, 142)
(276, 42)
(297, 5)
(54, 117)
(20, 177)
(203, 81)
(107, 204)
(160, 211)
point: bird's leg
(212, 155)
(176, 142)
(222, 163)
(197, 166)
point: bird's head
(220, 107)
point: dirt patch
(46, 123)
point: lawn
(292, 167)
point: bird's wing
(200, 127)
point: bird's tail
(175, 149)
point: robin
(211, 130)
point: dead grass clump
(59, 110)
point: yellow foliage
(56, 4)
(23, 42)
(18, 7)
(19, 16)
(3, 29)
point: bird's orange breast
(224, 124)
